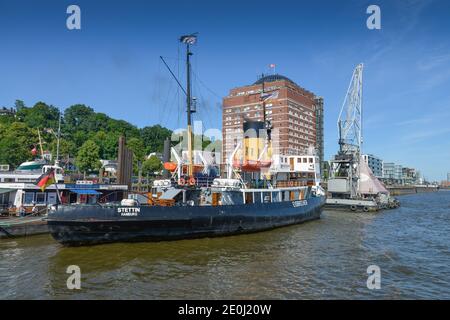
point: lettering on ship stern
(129, 212)
(299, 203)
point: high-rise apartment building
(295, 113)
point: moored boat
(260, 191)
(90, 224)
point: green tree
(151, 165)
(19, 105)
(136, 146)
(153, 138)
(12, 152)
(111, 146)
(7, 119)
(108, 143)
(16, 142)
(123, 127)
(79, 118)
(88, 158)
(40, 115)
(67, 148)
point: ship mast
(59, 138)
(189, 40)
(40, 144)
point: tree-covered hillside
(82, 129)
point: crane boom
(350, 117)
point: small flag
(272, 65)
(46, 179)
(190, 39)
(270, 95)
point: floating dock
(402, 190)
(22, 226)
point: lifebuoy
(191, 181)
(365, 209)
(353, 208)
(181, 182)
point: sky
(112, 63)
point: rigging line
(215, 106)
(206, 109)
(171, 58)
(158, 88)
(164, 110)
(173, 75)
(206, 87)
(178, 89)
(168, 108)
(172, 105)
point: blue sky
(112, 64)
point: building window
(40, 198)
(51, 198)
(28, 198)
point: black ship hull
(93, 224)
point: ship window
(298, 160)
(310, 160)
(305, 160)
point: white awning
(5, 190)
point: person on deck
(35, 209)
(22, 211)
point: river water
(323, 259)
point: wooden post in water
(125, 164)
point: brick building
(294, 112)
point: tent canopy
(369, 184)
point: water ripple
(323, 259)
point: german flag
(46, 179)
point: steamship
(260, 190)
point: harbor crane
(345, 168)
